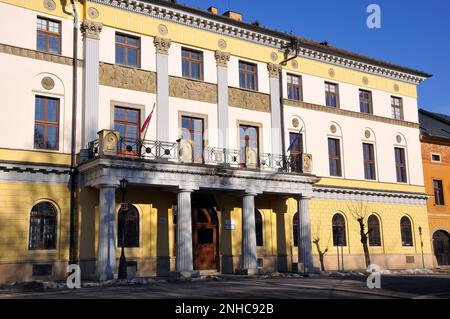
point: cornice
(159, 11)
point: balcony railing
(182, 152)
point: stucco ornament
(333, 129)
(331, 73)
(93, 13)
(396, 87)
(367, 134)
(274, 56)
(162, 45)
(294, 64)
(91, 29)
(222, 58)
(274, 70)
(162, 29)
(399, 139)
(365, 80)
(222, 44)
(48, 83)
(306, 163)
(295, 122)
(49, 5)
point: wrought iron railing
(213, 156)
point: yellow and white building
(240, 140)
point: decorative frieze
(162, 45)
(127, 78)
(222, 58)
(192, 90)
(91, 29)
(370, 117)
(274, 70)
(249, 100)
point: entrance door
(204, 237)
(441, 243)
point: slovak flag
(147, 122)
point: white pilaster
(249, 258)
(162, 88)
(222, 59)
(305, 257)
(275, 109)
(107, 233)
(184, 259)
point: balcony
(110, 144)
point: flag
(295, 140)
(147, 122)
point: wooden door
(441, 243)
(205, 239)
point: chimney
(213, 10)
(233, 15)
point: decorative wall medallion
(294, 64)
(295, 122)
(365, 80)
(162, 29)
(331, 73)
(333, 129)
(222, 44)
(49, 5)
(396, 87)
(47, 83)
(399, 139)
(93, 13)
(274, 56)
(367, 134)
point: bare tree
(316, 241)
(359, 211)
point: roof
(434, 125)
(289, 37)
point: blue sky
(413, 33)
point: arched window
(339, 235)
(259, 228)
(43, 226)
(128, 221)
(373, 225)
(406, 230)
(295, 229)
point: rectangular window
(296, 150)
(332, 95)
(397, 108)
(127, 50)
(127, 122)
(248, 76)
(438, 193)
(249, 145)
(294, 87)
(48, 35)
(334, 155)
(46, 123)
(365, 101)
(369, 161)
(400, 165)
(436, 158)
(192, 64)
(193, 132)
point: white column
(162, 47)
(184, 259)
(305, 257)
(91, 31)
(107, 233)
(275, 109)
(249, 259)
(222, 59)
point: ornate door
(204, 237)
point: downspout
(73, 256)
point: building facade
(261, 147)
(435, 139)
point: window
(436, 158)
(406, 231)
(397, 108)
(334, 155)
(438, 192)
(259, 228)
(46, 123)
(365, 101)
(296, 150)
(48, 35)
(42, 226)
(193, 132)
(127, 123)
(339, 235)
(331, 95)
(369, 161)
(128, 227)
(249, 153)
(400, 165)
(127, 50)
(192, 64)
(248, 76)
(295, 229)
(373, 224)
(294, 87)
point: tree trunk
(364, 239)
(321, 254)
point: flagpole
(148, 124)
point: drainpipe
(73, 258)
